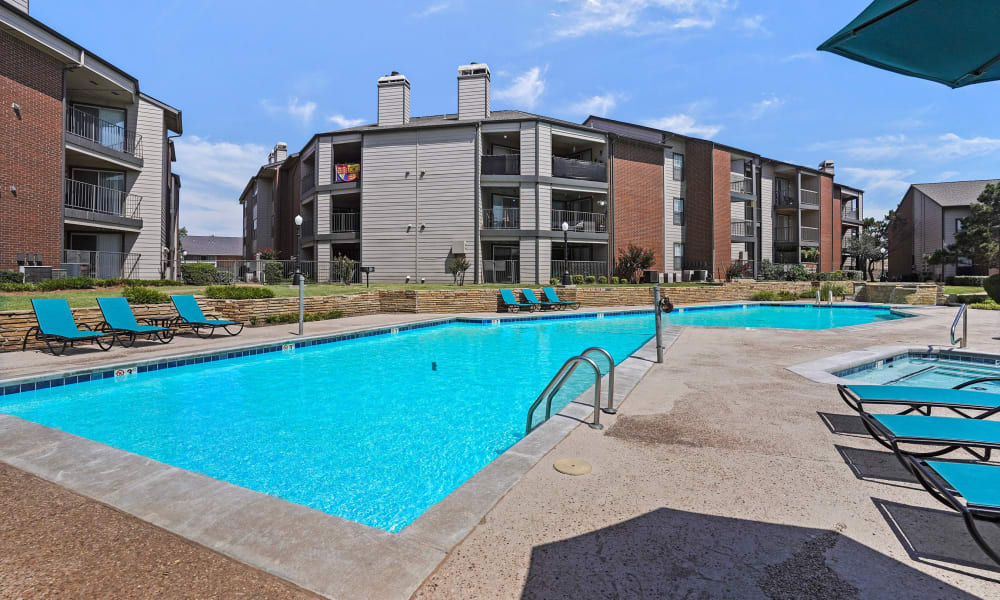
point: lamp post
(565, 277)
(298, 272)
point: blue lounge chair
(511, 303)
(119, 318)
(977, 483)
(529, 295)
(189, 315)
(56, 324)
(943, 434)
(921, 399)
(552, 296)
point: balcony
(345, 222)
(500, 164)
(810, 235)
(850, 216)
(501, 218)
(571, 168)
(501, 271)
(786, 235)
(587, 268)
(810, 198)
(89, 131)
(784, 201)
(740, 184)
(742, 231)
(584, 222)
(95, 203)
(308, 230)
(100, 265)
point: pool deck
(722, 475)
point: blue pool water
(781, 316)
(374, 429)
(927, 372)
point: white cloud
(212, 176)
(637, 17)
(947, 175)
(759, 109)
(930, 148)
(955, 146)
(894, 181)
(301, 111)
(525, 90)
(431, 9)
(684, 124)
(596, 105)
(753, 24)
(804, 55)
(341, 121)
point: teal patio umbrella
(954, 42)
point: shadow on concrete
(876, 465)
(678, 554)
(929, 534)
(844, 424)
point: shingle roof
(452, 119)
(954, 193)
(213, 245)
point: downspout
(611, 204)
(477, 204)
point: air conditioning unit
(36, 274)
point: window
(678, 167)
(958, 225)
(678, 256)
(678, 211)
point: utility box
(458, 247)
(651, 276)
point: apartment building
(927, 218)
(270, 203)
(407, 194)
(704, 206)
(86, 181)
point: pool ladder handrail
(565, 372)
(964, 316)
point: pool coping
(323, 553)
(824, 370)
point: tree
(342, 269)
(633, 261)
(867, 248)
(975, 239)
(457, 266)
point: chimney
(21, 5)
(280, 151)
(473, 91)
(393, 99)
(826, 167)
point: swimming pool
(928, 370)
(373, 429)
(782, 316)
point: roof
(954, 193)
(213, 245)
(452, 119)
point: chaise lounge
(56, 324)
(529, 295)
(511, 303)
(945, 434)
(553, 297)
(119, 318)
(921, 399)
(189, 315)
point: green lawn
(963, 289)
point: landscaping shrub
(553, 281)
(969, 280)
(836, 289)
(602, 279)
(615, 280)
(238, 292)
(17, 287)
(973, 298)
(144, 295)
(66, 283)
(810, 294)
(11, 277)
(198, 273)
(987, 305)
(764, 296)
(796, 273)
(852, 275)
(273, 272)
(992, 286)
(786, 295)
(293, 317)
(823, 276)
(578, 280)
(590, 279)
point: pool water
(781, 316)
(928, 372)
(374, 429)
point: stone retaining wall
(898, 293)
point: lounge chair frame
(891, 441)
(542, 304)
(922, 407)
(517, 306)
(562, 304)
(197, 326)
(48, 338)
(164, 335)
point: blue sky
(248, 74)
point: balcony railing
(103, 200)
(740, 184)
(742, 229)
(849, 215)
(809, 197)
(785, 234)
(592, 268)
(585, 222)
(308, 228)
(784, 201)
(572, 168)
(501, 271)
(105, 134)
(344, 222)
(810, 234)
(500, 164)
(501, 218)
(99, 264)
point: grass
(87, 298)
(963, 289)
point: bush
(973, 298)
(852, 275)
(808, 294)
(66, 283)
(144, 295)
(578, 280)
(821, 276)
(198, 273)
(293, 317)
(786, 295)
(602, 279)
(992, 287)
(238, 292)
(553, 281)
(17, 287)
(764, 296)
(615, 280)
(590, 279)
(273, 272)
(11, 277)
(969, 280)
(988, 305)
(770, 271)
(835, 288)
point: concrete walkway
(720, 478)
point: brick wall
(699, 200)
(838, 229)
(826, 232)
(639, 210)
(31, 153)
(721, 201)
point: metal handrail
(966, 384)
(610, 410)
(556, 383)
(962, 341)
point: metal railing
(784, 201)
(501, 271)
(964, 316)
(587, 268)
(572, 168)
(308, 228)
(501, 218)
(94, 198)
(99, 264)
(740, 184)
(341, 222)
(810, 234)
(809, 197)
(786, 234)
(500, 164)
(586, 222)
(103, 133)
(278, 272)
(742, 229)
(563, 375)
(849, 215)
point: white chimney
(826, 167)
(474, 91)
(393, 99)
(280, 151)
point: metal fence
(810, 234)
(109, 135)
(810, 197)
(341, 222)
(500, 164)
(279, 272)
(501, 271)
(586, 222)
(587, 268)
(94, 198)
(501, 218)
(99, 264)
(572, 168)
(740, 184)
(742, 229)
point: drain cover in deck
(572, 466)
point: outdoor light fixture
(17, 109)
(565, 277)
